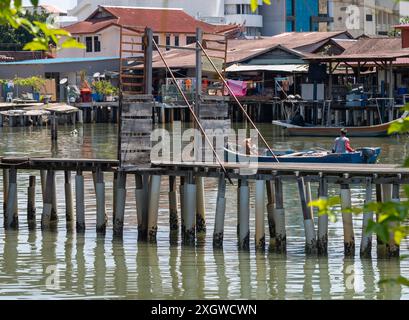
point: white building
(100, 32)
(211, 11)
(369, 17)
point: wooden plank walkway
(302, 168)
(32, 163)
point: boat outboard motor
(367, 154)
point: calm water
(94, 267)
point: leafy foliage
(35, 82)
(12, 14)
(104, 87)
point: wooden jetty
(39, 114)
(98, 112)
(189, 217)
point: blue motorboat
(360, 156)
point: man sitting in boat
(342, 144)
(251, 149)
(298, 120)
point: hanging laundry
(239, 88)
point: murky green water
(94, 267)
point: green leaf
(36, 45)
(399, 236)
(72, 43)
(403, 281)
(400, 126)
(17, 3)
(404, 257)
(34, 3)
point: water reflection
(120, 270)
(101, 267)
(222, 280)
(80, 265)
(244, 274)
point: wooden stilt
(43, 180)
(54, 214)
(381, 249)
(349, 238)
(182, 207)
(120, 205)
(31, 203)
(366, 240)
(5, 194)
(270, 209)
(114, 190)
(100, 194)
(305, 196)
(244, 215)
(48, 202)
(11, 217)
(220, 213)
(200, 208)
(280, 242)
(322, 241)
(393, 248)
(260, 239)
(69, 208)
(189, 210)
(54, 127)
(154, 195)
(141, 197)
(173, 208)
(79, 201)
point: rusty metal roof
(240, 50)
(370, 45)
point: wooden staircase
(132, 61)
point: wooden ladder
(132, 61)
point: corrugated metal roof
(366, 56)
(240, 50)
(58, 60)
(371, 45)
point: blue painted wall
(303, 11)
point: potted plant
(105, 90)
(36, 83)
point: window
(88, 44)
(190, 39)
(97, 44)
(156, 39)
(167, 42)
(369, 17)
(238, 9)
(177, 41)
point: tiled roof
(160, 20)
(86, 27)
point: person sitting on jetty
(342, 143)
